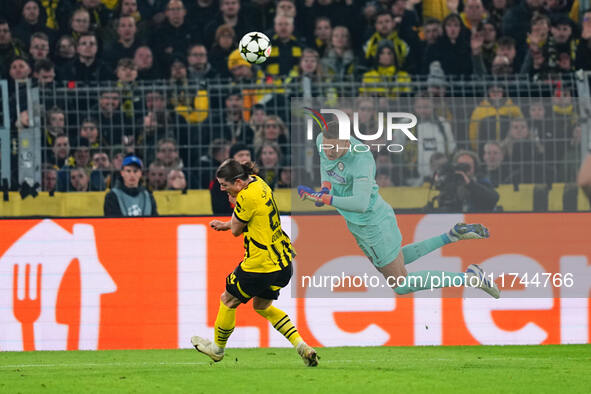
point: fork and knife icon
(27, 309)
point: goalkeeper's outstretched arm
(359, 201)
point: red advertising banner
(154, 282)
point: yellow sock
(224, 324)
(282, 323)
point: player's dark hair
(231, 170)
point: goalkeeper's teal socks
(416, 250)
(426, 280)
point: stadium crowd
(134, 76)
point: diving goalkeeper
(348, 184)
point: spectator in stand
(583, 56)
(257, 120)
(339, 12)
(562, 139)
(236, 129)
(156, 176)
(203, 171)
(19, 69)
(44, 73)
(127, 42)
(168, 154)
(193, 107)
(483, 45)
(144, 61)
(87, 68)
(90, 131)
(309, 67)
(452, 49)
(284, 181)
(199, 68)
(489, 121)
(79, 23)
(101, 163)
(501, 65)
(9, 47)
(221, 49)
(130, 198)
(506, 49)
(61, 153)
(524, 153)
(477, 193)
(535, 61)
(126, 73)
(434, 135)
(130, 8)
(584, 176)
(406, 22)
(48, 178)
(65, 52)
(432, 30)
(79, 180)
(153, 11)
(496, 168)
(55, 126)
(268, 159)
(201, 12)
(176, 180)
(561, 42)
(98, 16)
(160, 122)
(275, 132)
(517, 23)
(286, 48)
(32, 21)
(288, 8)
(385, 72)
(497, 10)
(385, 31)
(114, 124)
(175, 35)
(229, 15)
(474, 13)
(384, 178)
(261, 13)
(322, 35)
(39, 47)
(81, 154)
(339, 60)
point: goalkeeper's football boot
(308, 354)
(207, 347)
(482, 282)
(463, 231)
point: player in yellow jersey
(266, 266)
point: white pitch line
(98, 365)
(334, 361)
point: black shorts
(245, 285)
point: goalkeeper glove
(320, 198)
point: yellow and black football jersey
(267, 246)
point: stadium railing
(195, 115)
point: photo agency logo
(394, 121)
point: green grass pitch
(494, 369)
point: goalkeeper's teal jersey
(353, 180)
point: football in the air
(255, 47)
